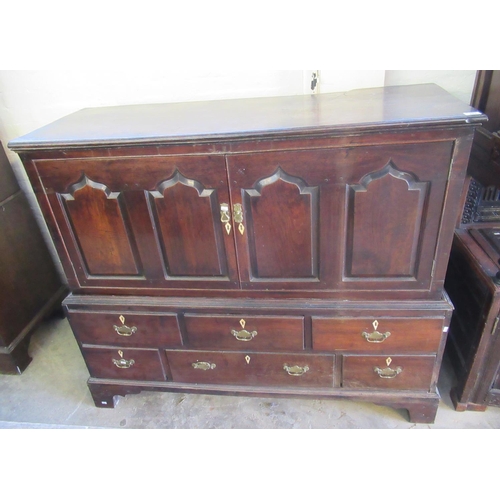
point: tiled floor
(52, 393)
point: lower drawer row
(262, 369)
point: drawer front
(290, 370)
(139, 330)
(376, 335)
(125, 364)
(269, 333)
(388, 372)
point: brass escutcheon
(238, 217)
(225, 217)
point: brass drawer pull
(203, 365)
(387, 372)
(123, 363)
(243, 335)
(375, 337)
(123, 329)
(225, 217)
(295, 371)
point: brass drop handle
(203, 365)
(123, 363)
(375, 337)
(243, 335)
(388, 372)
(225, 217)
(295, 371)
(123, 329)
(238, 217)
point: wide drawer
(140, 330)
(375, 335)
(388, 372)
(258, 369)
(125, 364)
(264, 333)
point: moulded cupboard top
(386, 107)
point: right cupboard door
(358, 218)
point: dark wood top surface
(399, 106)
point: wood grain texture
(405, 335)
(258, 369)
(398, 106)
(149, 330)
(146, 365)
(272, 333)
(416, 374)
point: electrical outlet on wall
(311, 81)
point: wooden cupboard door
(143, 221)
(357, 218)
(278, 233)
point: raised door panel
(385, 213)
(395, 196)
(101, 229)
(189, 235)
(278, 232)
(143, 221)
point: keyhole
(247, 359)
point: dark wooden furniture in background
(30, 287)
(472, 282)
(285, 246)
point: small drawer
(376, 335)
(388, 372)
(139, 330)
(260, 333)
(209, 367)
(125, 364)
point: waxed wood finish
(397, 335)
(416, 372)
(231, 226)
(248, 368)
(384, 208)
(146, 365)
(145, 330)
(269, 332)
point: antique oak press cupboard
(283, 246)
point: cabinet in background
(30, 287)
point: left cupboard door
(142, 222)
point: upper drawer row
(258, 333)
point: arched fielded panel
(100, 229)
(385, 212)
(189, 236)
(282, 220)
